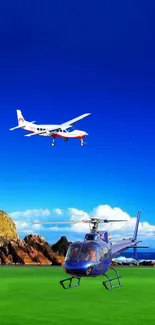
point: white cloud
(58, 211)
(118, 230)
(27, 227)
(107, 212)
(77, 214)
(21, 225)
(59, 229)
(30, 213)
(24, 220)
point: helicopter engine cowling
(90, 269)
(79, 268)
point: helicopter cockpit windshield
(82, 253)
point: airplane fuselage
(31, 127)
(51, 130)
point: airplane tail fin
(20, 117)
(22, 123)
(136, 227)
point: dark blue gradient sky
(59, 60)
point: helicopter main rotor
(94, 221)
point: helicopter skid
(109, 281)
(70, 285)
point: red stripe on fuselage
(62, 136)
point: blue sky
(57, 61)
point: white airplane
(55, 131)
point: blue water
(141, 255)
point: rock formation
(32, 249)
(61, 246)
(7, 227)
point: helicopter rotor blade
(107, 220)
(93, 220)
(56, 222)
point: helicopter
(93, 256)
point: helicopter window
(82, 253)
(100, 254)
(73, 252)
(106, 252)
(88, 253)
(90, 237)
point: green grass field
(33, 295)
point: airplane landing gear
(53, 143)
(82, 143)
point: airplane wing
(74, 120)
(35, 133)
(17, 127)
(61, 126)
(20, 126)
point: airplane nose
(85, 133)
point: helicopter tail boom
(122, 245)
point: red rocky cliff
(32, 249)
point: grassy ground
(32, 295)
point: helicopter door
(99, 258)
(100, 254)
(106, 252)
(103, 257)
